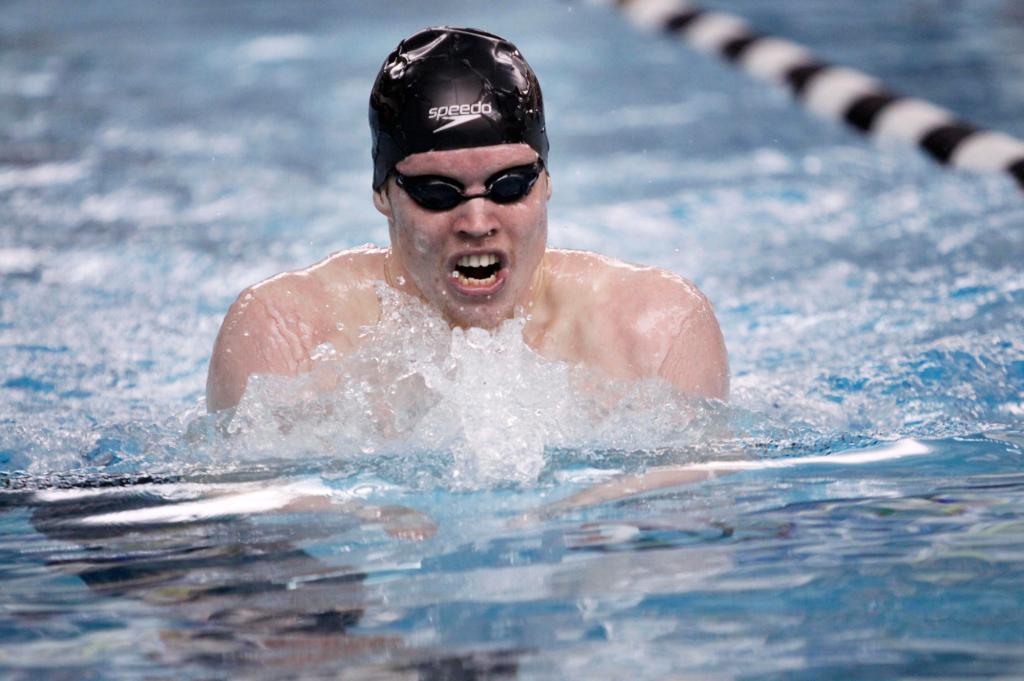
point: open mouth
(477, 271)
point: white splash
(484, 397)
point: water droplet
(481, 397)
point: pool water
(156, 158)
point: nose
(474, 220)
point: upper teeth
(478, 260)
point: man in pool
(460, 172)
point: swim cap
(453, 88)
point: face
(479, 261)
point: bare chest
(593, 337)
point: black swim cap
(452, 88)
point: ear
(549, 184)
(382, 202)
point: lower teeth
(467, 281)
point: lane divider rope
(831, 90)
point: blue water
(155, 158)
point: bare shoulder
(659, 322)
(273, 326)
(641, 296)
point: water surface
(157, 158)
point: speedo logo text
(457, 114)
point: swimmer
(460, 155)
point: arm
(696, 361)
(621, 487)
(257, 337)
(274, 326)
(673, 332)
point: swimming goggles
(439, 193)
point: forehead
(475, 162)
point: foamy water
(484, 398)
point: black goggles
(436, 192)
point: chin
(488, 318)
